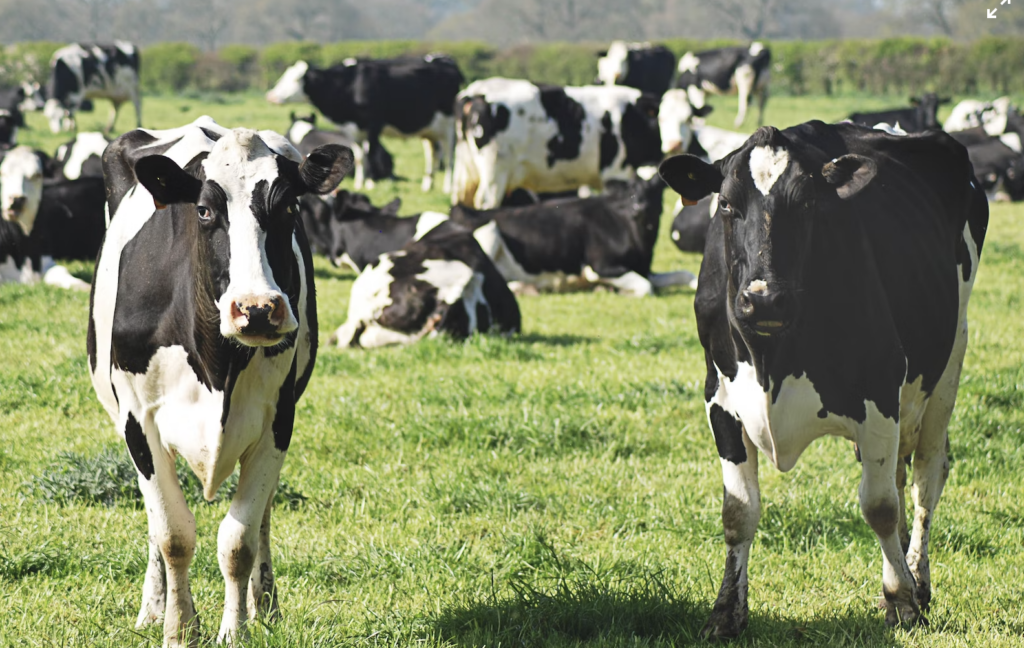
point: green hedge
(887, 66)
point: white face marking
(86, 144)
(756, 48)
(238, 162)
(675, 117)
(21, 187)
(688, 62)
(298, 131)
(289, 88)
(758, 286)
(767, 166)
(56, 115)
(427, 222)
(612, 66)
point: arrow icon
(1005, 2)
(992, 12)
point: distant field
(557, 489)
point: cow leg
(741, 511)
(628, 283)
(744, 76)
(137, 102)
(172, 540)
(448, 157)
(428, 162)
(901, 491)
(879, 502)
(762, 101)
(113, 117)
(238, 541)
(262, 592)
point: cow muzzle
(260, 320)
(765, 311)
(13, 210)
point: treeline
(894, 65)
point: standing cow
(646, 67)
(516, 134)
(744, 71)
(202, 337)
(832, 300)
(410, 97)
(82, 72)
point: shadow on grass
(625, 613)
(558, 340)
(339, 274)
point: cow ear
(392, 207)
(690, 177)
(703, 111)
(915, 101)
(168, 183)
(325, 166)
(849, 174)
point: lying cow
(400, 98)
(304, 134)
(81, 157)
(202, 337)
(833, 301)
(81, 72)
(972, 113)
(648, 68)
(692, 222)
(999, 168)
(577, 244)
(514, 133)
(441, 283)
(744, 71)
(920, 117)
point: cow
(513, 133)
(648, 68)
(691, 223)
(442, 283)
(832, 300)
(411, 97)
(81, 72)
(33, 97)
(202, 336)
(971, 113)
(998, 168)
(46, 219)
(744, 71)
(81, 157)
(577, 243)
(921, 116)
(304, 134)
(11, 117)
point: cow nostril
(277, 311)
(746, 307)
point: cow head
(11, 118)
(58, 116)
(929, 104)
(770, 194)
(612, 67)
(675, 120)
(32, 94)
(349, 207)
(21, 186)
(291, 87)
(240, 203)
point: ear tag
(158, 204)
(687, 201)
(691, 177)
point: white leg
(239, 535)
(630, 283)
(154, 588)
(448, 158)
(741, 511)
(60, 277)
(878, 441)
(744, 86)
(262, 592)
(491, 190)
(137, 102)
(428, 164)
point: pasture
(560, 488)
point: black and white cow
(744, 71)
(202, 337)
(81, 72)
(304, 134)
(921, 116)
(11, 117)
(33, 94)
(833, 301)
(999, 168)
(646, 67)
(82, 157)
(410, 97)
(692, 222)
(440, 283)
(513, 133)
(577, 243)
(972, 113)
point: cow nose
(18, 203)
(673, 147)
(766, 310)
(259, 315)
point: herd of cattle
(838, 264)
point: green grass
(557, 489)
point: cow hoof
(724, 625)
(903, 613)
(924, 595)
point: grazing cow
(441, 283)
(920, 117)
(999, 168)
(401, 98)
(202, 337)
(82, 157)
(744, 71)
(46, 220)
(11, 118)
(82, 72)
(646, 67)
(514, 133)
(833, 301)
(577, 243)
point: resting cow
(409, 97)
(999, 169)
(920, 117)
(202, 337)
(833, 301)
(82, 72)
(516, 134)
(646, 67)
(441, 283)
(81, 157)
(744, 71)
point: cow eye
(205, 215)
(724, 205)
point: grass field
(557, 489)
